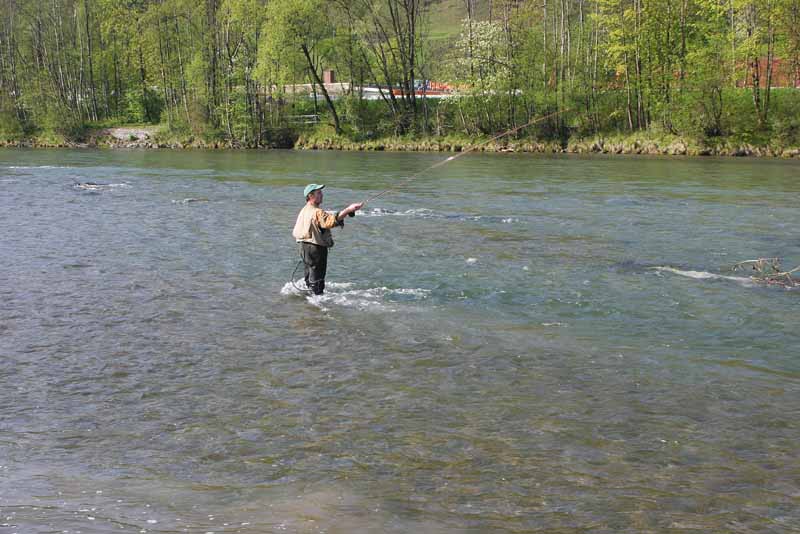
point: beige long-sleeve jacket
(314, 226)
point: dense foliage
(228, 69)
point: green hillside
(444, 17)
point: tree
(302, 26)
(757, 50)
(390, 32)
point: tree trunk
(143, 81)
(212, 54)
(92, 89)
(770, 58)
(163, 70)
(312, 69)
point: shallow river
(507, 344)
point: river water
(509, 343)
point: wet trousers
(315, 259)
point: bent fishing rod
(456, 156)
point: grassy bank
(323, 138)
(639, 143)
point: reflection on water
(509, 344)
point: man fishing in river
(313, 232)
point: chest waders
(315, 261)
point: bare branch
(768, 271)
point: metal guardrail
(304, 119)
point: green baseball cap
(310, 188)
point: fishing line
(465, 152)
(291, 278)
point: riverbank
(599, 145)
(150, 137)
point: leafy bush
(785, 120)
(280, 137)
(59, 122)
(143, 108)
(739, 118)
(786, 131)
(10, 127)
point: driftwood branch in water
(769, 271)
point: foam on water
(348, 295)
(705, 275)
(424, 213)
(295, 288)
(91, 186)
(36, 167)
(383, 212)
(190, 200)
(492, 218)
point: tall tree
(303, 26)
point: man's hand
(351, 209)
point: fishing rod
(435, 165)
(463, 153)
